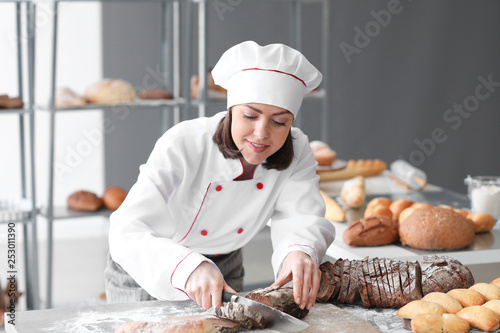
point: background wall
(413, 79)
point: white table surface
(484, 250)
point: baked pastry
(213, 89)
(450, 304)
(496, 282)
(110, 91)
(67, 97)
(322, 152)
(489, 291)
(353, 192)
(84, 201)
(414, 308)
(480, 317)
(354, 168)
(155, 94)
(280, 298)
(467, 297)
(113, 197)
(436, 229)
(378, 210)
(397, 206)
(442, 274)
(493, 305)
(371, 231)
(7, 102)
(482, 222)
(333, 210)
(433, 323)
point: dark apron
(122, 288)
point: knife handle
(227, 296)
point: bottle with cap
(415, 178)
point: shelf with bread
(21, 211)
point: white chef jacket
(186, 203)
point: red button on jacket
(260, 186)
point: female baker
(211, 184)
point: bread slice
(338, 271)
(374, 280)
(353, 282)
(362, 286)
(381, 286)
(396, 276)
(345, 281)
(327, 282)
(369, 282)
(385, 280)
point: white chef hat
(274, 74)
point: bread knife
(276, 319)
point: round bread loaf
(371, 231)
(436, 229)
(113, 197)
(110, 91)
(84, 201)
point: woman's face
(259, 130)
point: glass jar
(484, 194)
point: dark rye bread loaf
(383, 282)
(280, 298)
(442, 274)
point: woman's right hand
(205, 285)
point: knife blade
(275, 318)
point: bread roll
(467, 297)
(67, 97)
(353, 192)
(354, 168)
(84, 201)
(413, 308)
(482, 222)
(493, 305)
(496, 282)
(212, 87)
(113, 197)
(7, 102)
(436, 229)
(379, 201)
(155, 94)
(378, 210)
(450, 304)
(480, 317)
(333, 210)
(322, 152)
(433, 323)
(110, 91)
(489, 291)
(397, 206)
(371, 231)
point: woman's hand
(306, 277)
(205, 285)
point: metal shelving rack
(24, 210)
(171, 46)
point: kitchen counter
(326, 317)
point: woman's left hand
(305, 273)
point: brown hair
(280, 160)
